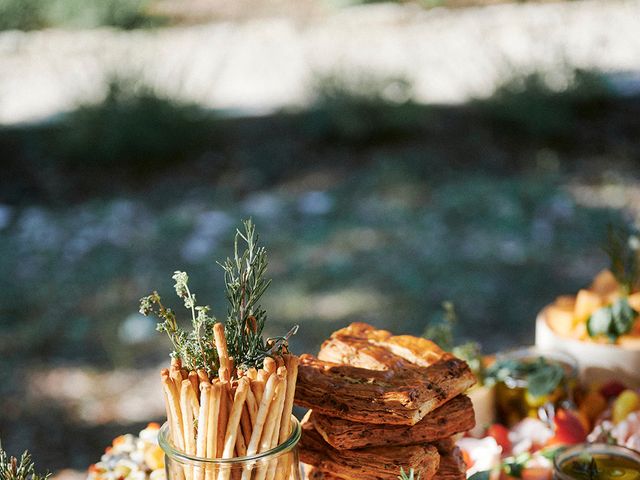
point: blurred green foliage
(133, 127)
(38, 14)
(363, 110)
(531, 106)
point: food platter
(382, 405)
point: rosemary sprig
(410, 475)
(24, 469)
(245, 284)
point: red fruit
(612, 389)
(569, 430)
(500, 434)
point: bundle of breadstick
(237, 413)
(228, 392)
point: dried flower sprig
(24, 469)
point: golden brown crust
(369, 463)
(453, 417)
(451, 467)
(361, 345)
(401, 396)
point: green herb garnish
(485, 475)
(514, 466)
(245, 284)
(623, 249)
(586, 465)
(24, 469)
(613, 320)
(441, 331)
(408, 476)
(541, 376)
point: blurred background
(393, 156)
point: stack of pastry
(380, 403)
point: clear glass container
(279, 463)
(596, 460)
(513, 399)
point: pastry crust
(361, 345)
(451, 467)
(453, 417)
(401, 396)
(366, 464)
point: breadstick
(212, 425)
(270, 426)
(187, 423)
(177, 361)
(241, 446)
(231, 367)
(203, 425)
(223, 417)
(233, 423)
(184, 373)
(221, 344)
(176, 376)
(292, 374)
(270, 365)
(173, 400)
(245, 422)
(234, 418)
(273, 416)
(252, 373)
(193, 378)
(224, 374)
(252, 405)
(271, 472)
(263, 411)
(202, 375)
(259, 384)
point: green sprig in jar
(597, 461)
(532, 383)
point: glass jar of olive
(531, 383)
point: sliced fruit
(569, 430)
(605, 283)
(565, 302)
(627, 402)
(560, 320)
(587, 302)
(592, 406)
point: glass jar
(279, 463)
(596, 460)
(515, 402)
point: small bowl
(597, 362)
(598, 451)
